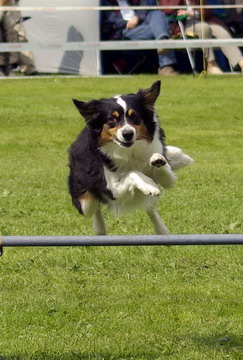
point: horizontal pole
(121, 45)
(119, 240)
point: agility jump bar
(119, 240)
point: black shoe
(34, 73)
(8, 70)
(3, 71)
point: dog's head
(122, 119)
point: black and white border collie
(120, 158)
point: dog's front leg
(135, 180)
(162, 172)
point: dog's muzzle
(126, 136)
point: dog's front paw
(144, 184)
(149, 188)
(157, 160)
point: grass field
(130, 303)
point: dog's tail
(177, 159)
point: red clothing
(208, 15)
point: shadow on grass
(222, 342)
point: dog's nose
(127, 134)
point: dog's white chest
(132, 164)
(127, 195)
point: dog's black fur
(86, 168)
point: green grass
(133, 303)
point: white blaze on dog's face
(128, 128)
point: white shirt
(127, 14)
(196, 12)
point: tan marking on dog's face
(142, 132)
(107, 134)
(137, 122)
(130, 112)
(115, 114)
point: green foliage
(134, 303)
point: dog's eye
(112, 121)
(135, 119)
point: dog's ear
(89, 110)
(149, 96)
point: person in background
(211, 27)
(12, 30)
(139, 25)
(6, 59)
(234, 17)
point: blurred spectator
(211, 27)
(139, 25)
(234, 17)
(5, 61)
(12, 30)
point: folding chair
(185, 36)
(188, 50)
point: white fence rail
(121, 45)
(102, 8)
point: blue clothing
(221, 13)
(113, 21)
(152, 25)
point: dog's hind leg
(89, 204)
(91, 209)
(98, 223)
(159, 226)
